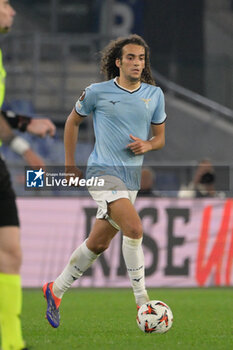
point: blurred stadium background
(52, 55)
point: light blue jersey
(117, 113)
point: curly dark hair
(114, 50)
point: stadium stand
(55, 74)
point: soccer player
(124, 108)
(10, 251)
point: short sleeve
(159, 115)
(86, 102)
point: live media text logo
(58, 180)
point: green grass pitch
(104, 319)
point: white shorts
(109, 194)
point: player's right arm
(70, 140)
(83, 107)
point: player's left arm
(156, 142)
(158, 139)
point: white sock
(80, 260)
(134, 260)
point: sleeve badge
(82, 96)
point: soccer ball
(154, 317)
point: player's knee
(99, 247)
(134, 230)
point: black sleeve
(16, 121)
